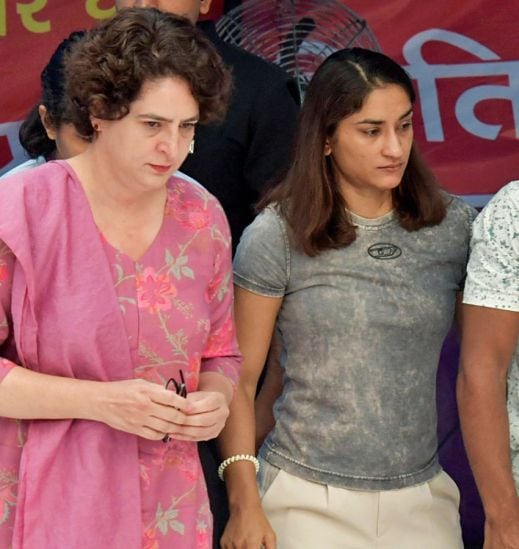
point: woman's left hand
(207, 412)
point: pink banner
(460, 55)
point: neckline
(381, 221)
(72, 173)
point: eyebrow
(380, 122)
(157, 118)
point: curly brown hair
(105, 72)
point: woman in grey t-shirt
(356, 259)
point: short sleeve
(493, 269)
(262, 260)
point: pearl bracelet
(238, 457)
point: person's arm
(221, 357)
(248, 527)
(270, 390)
(135, 406)
(488, 342)
(490, 332)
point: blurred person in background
(47, 133)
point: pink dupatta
(78, 480)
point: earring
(192, 147)
(327, 149)
(96, 127)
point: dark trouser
(215, 487)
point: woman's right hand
(248, 528)
(141, 408)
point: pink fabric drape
(66, 322)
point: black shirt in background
(238, 158)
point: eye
(152, 124)
(187, 129)
(406, 125)
(188, 125)
(372, 132)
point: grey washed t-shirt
(493, 281)
(362, 328)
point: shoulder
(262, 260)
(460, 214)
(194, 206)
(498, 223)
(27, 165)
(268, 224)
(40, 180)
(493, 270)
(187, 189)
(456, 206)
(503, 209)
(509, 192)
(267, 233)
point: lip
(160, 168)
(392, 167)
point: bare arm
(270, 390)
(135, 406)
(247, 528)
(488, 342)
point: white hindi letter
(426, 76)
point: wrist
(244, 500)
(94, 401)
(501, 508)
(241, 485)
(218, 383)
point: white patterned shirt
(493, 281)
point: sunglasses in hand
(180, 389)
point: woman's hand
(502, 531)
(150, 411)
(207, 413)
(248, 528)
(140, 407)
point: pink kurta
(176, 305)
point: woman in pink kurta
(171, 325)
(89, 308)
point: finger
(269, 541)
(162, 425)
(205, 419)
(162, 396)
(207, 403)
(151, 434)
(196, 433)
(165, 418)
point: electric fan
(298, 35)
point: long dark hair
(309, 195)
(32, 134)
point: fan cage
(297, 35)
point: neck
(129, 220)
(368, 203)
(107, 190)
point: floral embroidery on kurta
(176, 304)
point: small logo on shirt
(384, 250)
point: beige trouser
(307, 515)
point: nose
(393, 145)
(169, 145)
